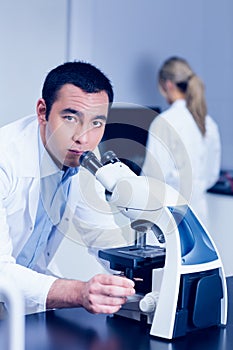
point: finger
(104, 309)
(109, 300)
(103, 304)
(97, 288)
(116, 291)
(115, 280)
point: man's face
(76, 124)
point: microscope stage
(134, 257)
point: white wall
(32, 41)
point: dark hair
(81, 74)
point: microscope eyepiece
(89, 161)
(109, 157)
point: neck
(177, 95)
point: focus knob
(149, 302)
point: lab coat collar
(179, 103)
(23, 149)
(30, 150)
(47, 165)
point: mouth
(75, 152)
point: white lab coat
(178, 154)
(87, 219)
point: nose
(81, 135)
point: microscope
(180, 282)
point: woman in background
(183, 147)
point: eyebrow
(72, 111)
(80, 114)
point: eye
(70, 118)
(97, 123)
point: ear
(41, 111)
(170, 86)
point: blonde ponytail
(196, 103)
(179, 72)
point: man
(39, 173)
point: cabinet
(220, 226)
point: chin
(73, 164)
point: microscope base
(198, 306)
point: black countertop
(224, 185)
(70, 329)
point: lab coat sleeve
(33, 286)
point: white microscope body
(180, 283)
